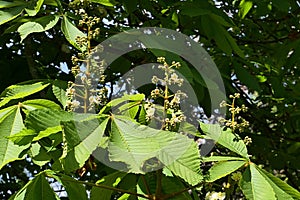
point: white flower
(75, 103)
(215, 196)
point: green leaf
(178, 152)
(245, 77)
(38, 25)
(111, 180)
(245, 7)
(34, 7)
(71, 32)
(221, 158)
(39, 155)
(223, 168)
(11, 122)
(47, 132)
(9, 4)
(194, 10)
(124, 99)
(9, 14)
(281, 188)
(187, 166)
(59, 91)
(23, 137)
(173, 185)
(39, 104)
(42, 119)
(255, 186)
(81, 138)
(245, 184)
(37, 188)
(21, 90)
(74, 189)
(225, 138)
(109, 3)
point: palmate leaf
(11, 122)
(111, 180)
(81, 138)
(225, 138)
(127, 144)
(37, 188)
(223, 168)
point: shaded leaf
(37, 188)
(8, 4)
(111, 180)
(10, 14)
(74, 189)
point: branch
(106, 187)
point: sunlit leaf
(11, 122)
(38, 25)
(223, 168)
(71, 32)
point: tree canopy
(53, 124)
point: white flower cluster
(150, 110)
(176, 117)
(215, 196)
(235, 122)
(72, 105)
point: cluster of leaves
(64, 141)
(255, 45)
